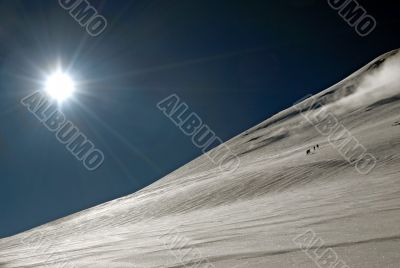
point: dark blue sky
(235, 63)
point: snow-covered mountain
(199, 216)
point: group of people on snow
(311, 150)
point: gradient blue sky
(235, 63)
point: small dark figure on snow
(308, 151)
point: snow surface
(249, 218)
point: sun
(60, 86)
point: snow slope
(249, 218)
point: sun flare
(60, 86)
